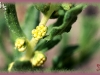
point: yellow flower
(20, 44)
(38, 59)
(39, 32)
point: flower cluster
(20, 44)
(38, 59)
(39, 32)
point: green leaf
(69, 18)
(31, 20)
(12, 20)
(87, 51)
(44, 45)
(88, 29)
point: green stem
(46, 16)
(31, 46)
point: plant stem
(46, 16)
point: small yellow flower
(38, 59)
(20, 44)
(39, 32)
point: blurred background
(85, 31)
